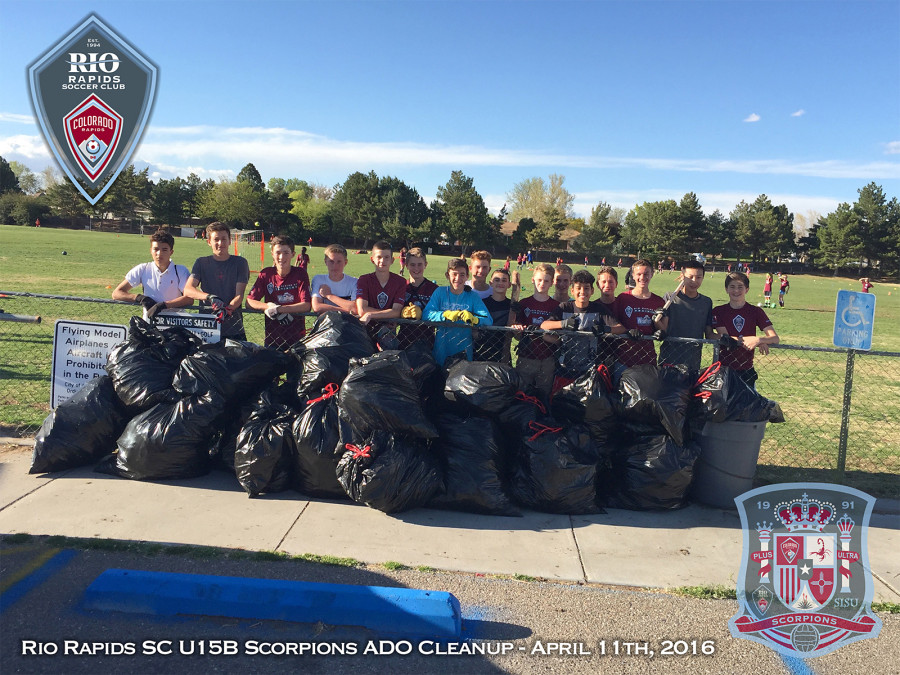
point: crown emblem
(805, 515)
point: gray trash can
(727, 462)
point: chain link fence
(842, 407)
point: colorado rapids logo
(805, 587)
(92, 94)
(738, 322)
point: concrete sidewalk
(689, 547)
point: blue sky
(631, 101)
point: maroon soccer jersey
(418, 296)
(381, 297)
(635, 312)
(293, 288)
(739, 322)
(533, 313)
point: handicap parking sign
(854, 320)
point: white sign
(204, 325)
(80, 350)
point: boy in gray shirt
(690, 316)
(223, 278)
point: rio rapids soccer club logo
(92, 94)
(805, 586)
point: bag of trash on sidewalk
(142, 368)
(482, 387)
(171, 440)
(389, 472)
(252, 368)
(590, 400)
(470, 455)
(724, 397)
(556, 469)
(322, 366)
(380, 394)
(333, 329)
(82, 429)
(317, 436)
(203, 371)
(655, 399)
(652, 472)
(264, 452)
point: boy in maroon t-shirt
(380, 294)
(737, 322)
(282, 292)
(641, 313)
(418, 293)
(536, 364)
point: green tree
(130, 192)
(356, 207)
(194, 190)
(232, 201)
(878, 224)
(461, 213)
(250, 175)
(28, 182)
(719, 235)
(655, 228)
(549, 227)
(404, 212)
(839, 240)
(763, 229)
(9, 182)
(691, 214)
(600, 233)
(167, 201)
(66, 201)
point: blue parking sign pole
(854, 320)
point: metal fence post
(845, 417)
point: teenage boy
(456, 303)
(380, 294)
(418, 292)
(334, 291)
(536, 364)
(637, 312)
(737, 322)
(494, 345)
(579, 353)
(281, 292)
(690, 316)
(161, 281)
(607, 282)
(480, 268)
(562, 279)
(219, 281)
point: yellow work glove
(453, 314)
(411, 312)
(467, 317)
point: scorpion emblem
(822, 552)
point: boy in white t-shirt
(161, 281)
(334, 291)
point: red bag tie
(542, 428)
(534, 400)
(330, 390)
(357, 451)
(603, 371)
(708, 373)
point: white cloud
(29, 147)
(17, 118)
(798, 113)
(892, 148)
(752, 117)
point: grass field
(809, 385)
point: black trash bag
(333, 329)
(379, 394)
(225, 441)
(142, 368)
(264, 451)
(171, 440)
(591, 400)
(425, 370)
(471, 458)
(724, 397)
(204, 371)
(556, 469)
(655, 399)
(82, 429)
(482, 387)
(317, 436)
(252, 368)
(652, 472)
(389, 472)
(322, 366)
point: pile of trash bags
(341, 417)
